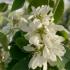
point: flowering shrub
(30, 36)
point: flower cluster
(41, 30)
(43, 40)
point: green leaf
(17, 45)
(19, 39)
(17, 4)
(16, 52)
(22, 64)
(58, 10)
(3, 7)
(67, 66)
(66, 57)
(18, 34)
(37, 3)
(63, 33)
(51, 3)
(11, 64)
(60, 64)
(52, 68)
(20, 42)
(30, 1)
(4, 41)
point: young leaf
(4, 41)
(3, 7)
(17, 4)
(58, 10)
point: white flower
(35, 39)
(38, 61)
(13, 23)
(48, 54)
(29, 48)
(47, 46)
(35, 24)
(43, 10)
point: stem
(56, 6)
(48, 2)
